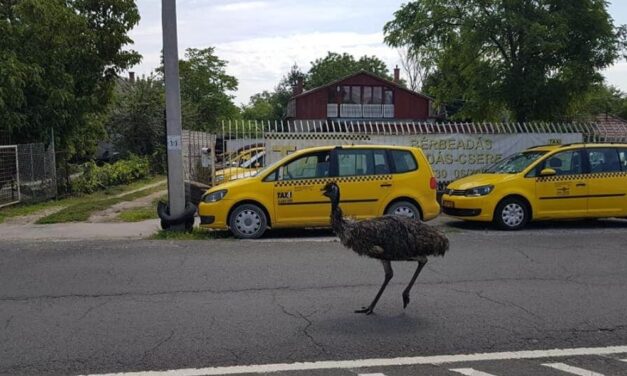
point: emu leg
(389, 273)
(421, 264)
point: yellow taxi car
(544, 182)
(373, 180)
(246, 164)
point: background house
(361, 96)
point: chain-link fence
(37, 172)
(9, 179)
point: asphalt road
(78, 307)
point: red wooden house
(360, 96)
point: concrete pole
(176, 184)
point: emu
(388, 238)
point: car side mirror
(548, 172)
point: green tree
(335, 66)
(205, 89)
(135, 122)
(528, 57)
(600, 99)
(58, 63)
(260, 107)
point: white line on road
(572, 370)
(470, 372)
(363, 363)
(371, 374)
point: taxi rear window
(403, 161)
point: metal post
(176, 184)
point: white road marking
(470, 372)
(371, 374)
(363, 363)
(572, 370)
(624, 360)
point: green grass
(141, 214)
(196, 234)
(27, 209)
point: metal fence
(9, 177)
(242, 147)
(37, 172)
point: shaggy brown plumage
(388, 238)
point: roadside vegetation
(73, 201)
(81, 211)
(196, 234)
(142, 213)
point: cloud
(243, 6)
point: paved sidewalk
(80, 231)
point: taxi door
(364, 179)
(607, 182)
(564, 194)
(298, 199)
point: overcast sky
(262, 39)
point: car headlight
(479, 191)
(214, 196)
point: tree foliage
(205, 89)
(527, 57)
(58, 63)
(335, 66)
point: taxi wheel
(404, 208)
(511, 214)
(248, 222)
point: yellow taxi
(244, 165)
(544, 182)
(373, 180)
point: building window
(367, 94)
(346, 94)
(333, 93)
(388, 96)
(356, 94)
(377, 95)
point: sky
(262, 39)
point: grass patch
(141, 214)
(82, 210)
(196, 234)
(19, 210)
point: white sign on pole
(174, 142)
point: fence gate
(9, 176)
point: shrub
(101, 177)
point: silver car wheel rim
(248, 222)
(405, 211)
(513, 214)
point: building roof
(361, 72)
(611, 126)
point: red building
(361, 96)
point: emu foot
(405, 300)
(366, 310)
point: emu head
(332, 191)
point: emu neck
(337, 220)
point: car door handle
(581, 184)
(386, 185)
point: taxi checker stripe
(348, 179)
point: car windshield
(515, 163)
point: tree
(530, 57)
(600, 99)
(416, 67)
(335, 66)
(271, 105)
(135, 121)
(58, 63)
(205, 88)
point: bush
(95, 177)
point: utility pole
(176, 184)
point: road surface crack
(304, 330)
(159, 344)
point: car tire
(248, 221)
(404, 208)
(511, 214)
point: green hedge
(95, 177)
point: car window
(355, 162)
(403, 161)
(622, 154)
(314, 165)
(564, 163)
(604, 160)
